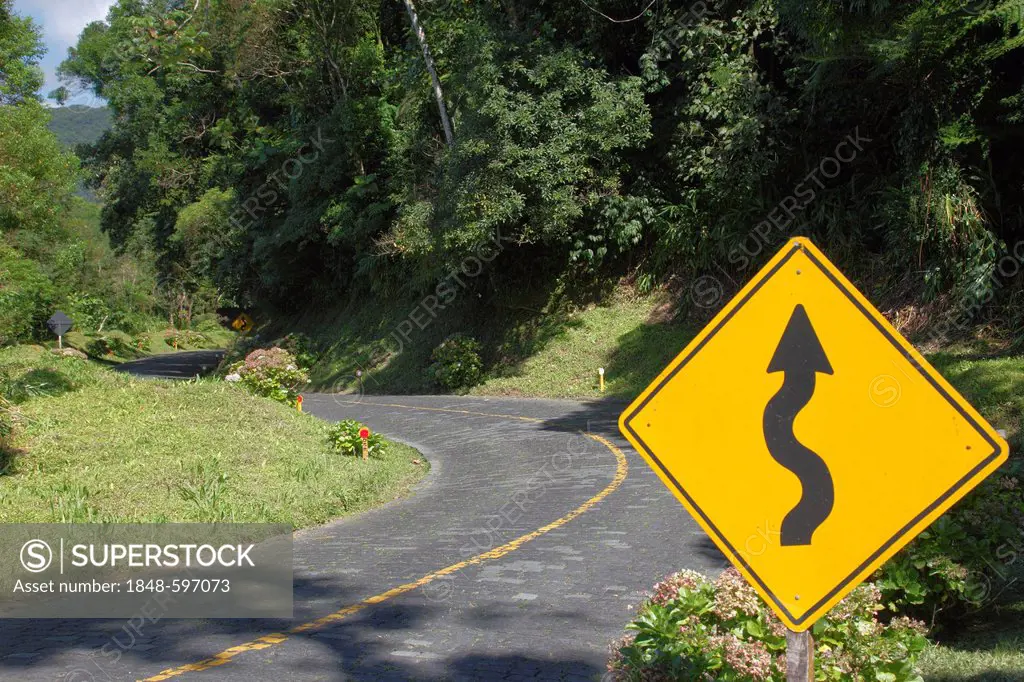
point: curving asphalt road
(185, 365)
(517, 558)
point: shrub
(271, 373)
(174, 338)
(693, 628)
(26, 297)
(207, 322)
(99, 348)
(185, 338)
(112, 344)
(344, 437)
(196, 339)
(456, 363)
(302, 347)
(88, 312)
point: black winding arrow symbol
(801, 357)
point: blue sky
(61, 22)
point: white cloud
(62, 21)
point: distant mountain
(77, 124)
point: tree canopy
(270, 146)
(51, 252)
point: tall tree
(20, 51)
(421, 36)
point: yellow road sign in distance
(807, 437)
(242, 323)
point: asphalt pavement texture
(185, 365)
(519, 557)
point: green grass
(101, 446)
(991, 649)
(995, 386)
(115, 346)
(547, 348)
(618, 336)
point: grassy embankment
(96, 445)
(541, 348)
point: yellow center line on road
(266, 641)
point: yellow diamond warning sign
(807, 437)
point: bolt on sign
(807, 437)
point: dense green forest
(77, 124)
(283, 150)
(52, 252)
(276, 152)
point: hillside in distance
(78, 124)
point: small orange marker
(298, 403)
(364, 433)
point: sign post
(60, 324)
(808, 438)
(364, 433)
(799, 656)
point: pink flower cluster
(264, 358)
(668, 589)
(733, 596)
(863, 602)
(907, 623)
(750, 659)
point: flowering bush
(456, 363)
(271, 373)
(344, 436)
(693, 628)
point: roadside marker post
(364, 433)
(808, 438)
(298, 403)
(600, 375)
